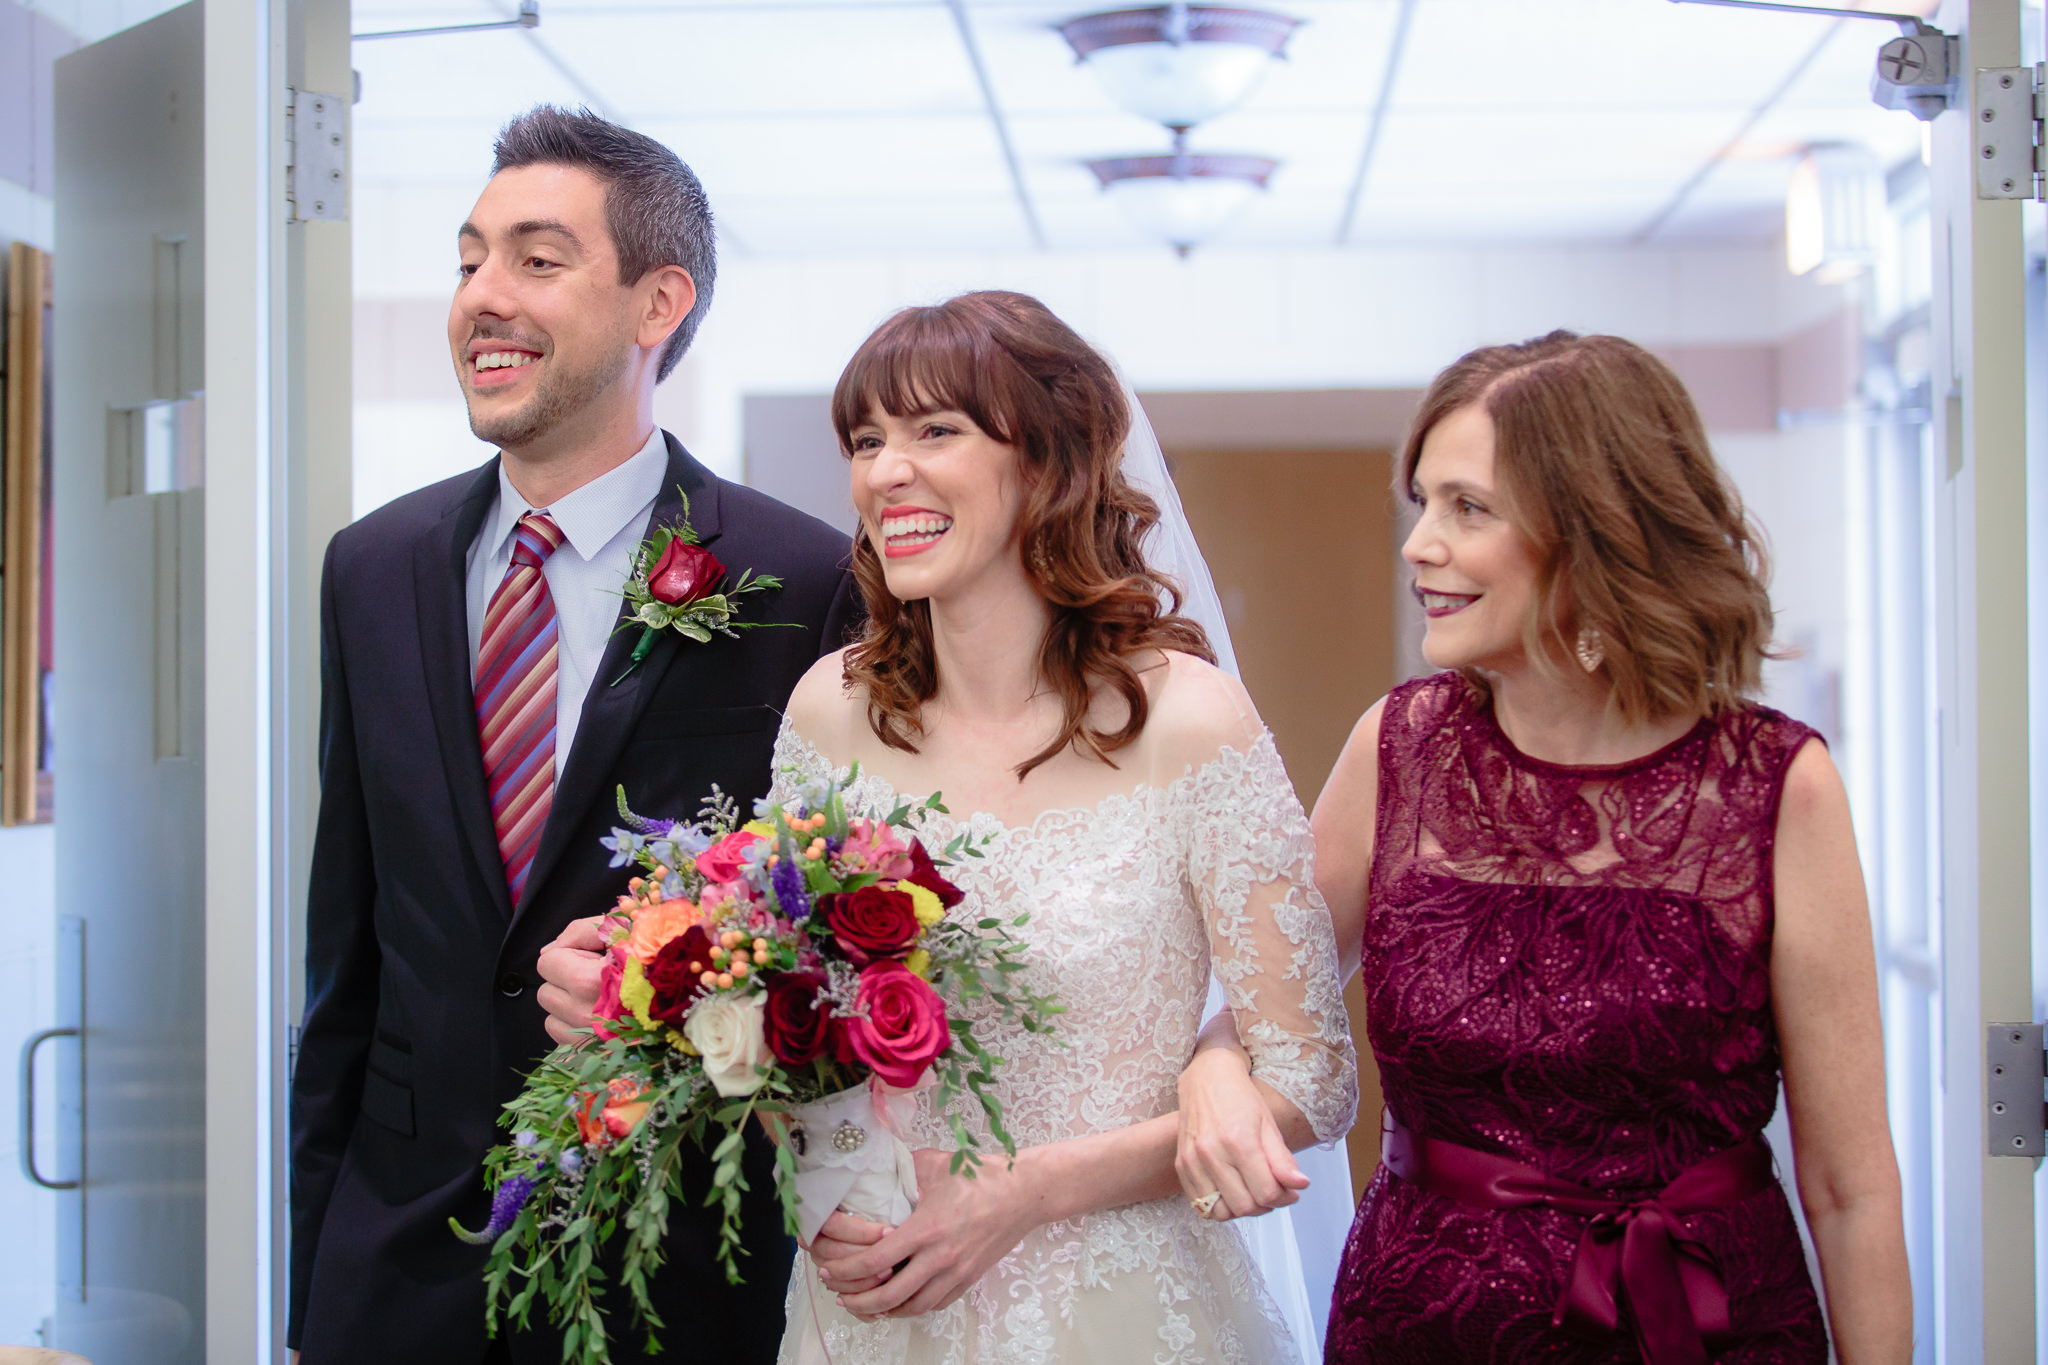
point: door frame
(1986, 1257)
(277, 487)
(244, 205)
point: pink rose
(874, 846)
(608, 1005)
(905, 1024)
(725, 860)
(684, 573)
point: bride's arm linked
(1227, 1126)
(1249, 865)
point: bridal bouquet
(796, 969)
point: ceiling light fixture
(1179, 64)
(1831, 213)
(1186, 197)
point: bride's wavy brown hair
(1028, 380)
(1604, 466)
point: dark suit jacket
(420, 1015)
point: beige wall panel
(1301, 544)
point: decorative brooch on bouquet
(804, 970)
(676, 584)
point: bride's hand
(1229, 1143)
(843, 1235)
(960, 1228)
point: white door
(128, 370)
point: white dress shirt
(602, 523)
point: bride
(1020, 660)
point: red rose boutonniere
(676, 584)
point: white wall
(1355, 319)
(27, 986)
(1223, 320)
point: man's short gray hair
(653, 206)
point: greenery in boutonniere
(676, 584)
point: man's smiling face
(540, 327)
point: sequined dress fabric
(1570, 966)
(1133, 903)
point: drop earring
(1590, 649)
(1039, 564)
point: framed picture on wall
(25, 607)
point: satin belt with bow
(1631, 1249)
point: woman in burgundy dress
(1604, 901)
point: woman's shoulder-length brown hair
(1027, 380)
(1602, 462)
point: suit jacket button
(509, 984)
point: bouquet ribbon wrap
(850, 1154)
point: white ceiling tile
(772, 61)
(1512, 54)
(923, 160)
(489, 76)
(854, 224)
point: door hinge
(2015, 1070)
(2009, 140)
(316, 157)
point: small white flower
(727, 1031)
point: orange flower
(605, 1116)
(655, 925)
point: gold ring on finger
(1206, 1205)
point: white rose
(726, 1030)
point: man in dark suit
(479, 707)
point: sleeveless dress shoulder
(1568, 967)
(1134, 904)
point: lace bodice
(1133, 903)
(1571, 966)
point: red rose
(677, 975)
(905, 1027)
(925, 873)
(684, 573)
(871, 925)
(726, 859)
(799, 1025)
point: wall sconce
(1831, 213)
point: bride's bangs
(925, 360)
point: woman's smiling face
(940, 500)
(1475, 573)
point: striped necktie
(515, 697)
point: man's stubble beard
(556, 399)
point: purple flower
(505, 1206)
(788, 880)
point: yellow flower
(930, 910)
(760, 827)
(635, 993)
(638, 996)
(920, 964)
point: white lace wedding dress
(1134, 902)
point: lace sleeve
(1251, 865)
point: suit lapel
(440, 576)
(612, 710)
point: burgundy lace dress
(1570, 967)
